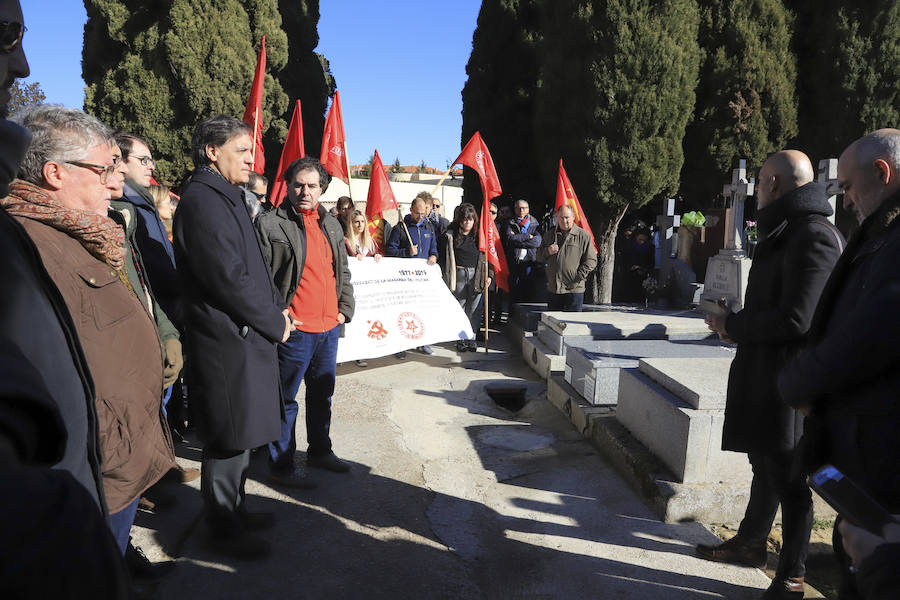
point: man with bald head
(797, 250)
(847, 379)
(569, 254)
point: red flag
(381, 196)
(565, 194)
(253, 112)
(293, 149)
(477, 156)
(334, 142)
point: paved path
(450, 496)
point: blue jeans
(565, 302)
(120, 524)
(312, 358)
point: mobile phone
(850, 500)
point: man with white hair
(847, 380)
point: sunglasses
(103, 170)
(436, 205)
(11, 33)
(145, 161)
(493, 212)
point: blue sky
(400, 67)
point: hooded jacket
(796, 252)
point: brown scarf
(101, 236)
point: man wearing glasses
(151, 236)
(438, 222)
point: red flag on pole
(293, 149)
(381, 196)
(565, 194)
(334, 142)
(477, 156)
(253, 112)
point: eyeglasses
(259, 197)
(104, 170)
(493, 212)
(145, 161)
(11, 33)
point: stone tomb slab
(621, 325)
(593, 368)
(542, 359)
(702, 384)
(687, 440)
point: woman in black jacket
(463, 267)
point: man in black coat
(848, 380)
(234, 319)
(55, 539)
(797, 250)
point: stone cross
(828, 176)
(736, 193)
(668, 242)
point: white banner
(401, 303)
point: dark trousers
(565, 302)
(520, 282)
(775, 483)
(311, 358)
(222, 477)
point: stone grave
(828, 176)
(727, 272)
(546, 351)
(676, 408)
(593, 369)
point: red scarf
(99, 235)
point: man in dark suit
(797, 250)
(234, 319)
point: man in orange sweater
(304, 247)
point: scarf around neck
(99, 235)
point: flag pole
(347, 162)
(255, 129)
(409, 237)
(441, 180)
(486, 263)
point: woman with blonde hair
(359, 241)
(163, 201)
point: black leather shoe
(736, 551)
(256, 521)
(329, 462)
(140, 566)
(293, 480)
(789, 588)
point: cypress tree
(746, 103)
(306, 75)
(849, 66)
(498, 97)
(617, 89)
(157, 68)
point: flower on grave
(651, 286)
(750, 232)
